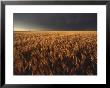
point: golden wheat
(55, 53)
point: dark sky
(55, 21)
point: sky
(55, 21)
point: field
(55, 53)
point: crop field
(55, 53)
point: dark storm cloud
(56, 21)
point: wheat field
(55, 53)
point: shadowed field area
(55, 53)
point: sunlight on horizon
(26, 29)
